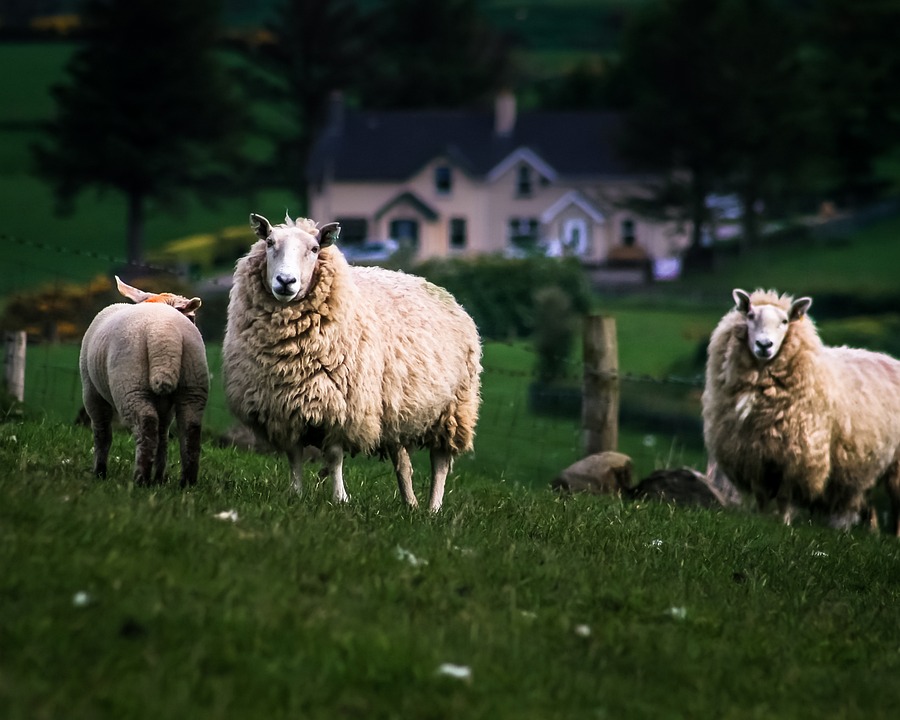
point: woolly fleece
(823, 421)
(372, 359)
(145, 361)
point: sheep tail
(164, 363)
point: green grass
(304, 609)
(512, 444)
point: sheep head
(768, 323)
(292, 251)
(186, 306)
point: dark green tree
(147, 110)
(320, 47)
(719, 99)
(436, 54)
(857, 61)
(667, 81)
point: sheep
(790, 418)
(146, 362)
(358, 359)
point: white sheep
(358, 359)
(146, 362)
(790, 418)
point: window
(406, 232)
(443, 180)
(353, 230)
(575, 237)
(523, 181)
(458, 234)
(629, 236)
(522, 235)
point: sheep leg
(892, 485)
(334, 461)
(162, 448)
(189, 424)
(295, 458)
(101, 425)
(441, 462)
(403, 469)
(146, 437)
(784, 502)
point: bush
(499, 293)
(554, 332)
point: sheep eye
(784, 322)
(270, 241)
(315, 250)
(751, 315)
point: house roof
(573, 197)
(411, 199)
(361, 145)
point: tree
(667, 78)
(319, 48)
(436, 54)
(717, 99)
(857, 64)
(147, 109)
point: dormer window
(443, 180)
(524, 181)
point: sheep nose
(285, 281)
(764, 344)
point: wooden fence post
(14, 348)
(600, 398)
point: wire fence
(526, 433)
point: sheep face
(768, 324)
(292, 252)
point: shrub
(499, 293)
(554, 332)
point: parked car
(370, 251)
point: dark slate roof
(394, 145)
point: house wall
(488, 207)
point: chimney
(504, 114)
(334, 121)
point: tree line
(781, 102)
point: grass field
(118, 601)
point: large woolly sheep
(146, 362)
(358, 359)
(790, 418)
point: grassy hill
(120, 601)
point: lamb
(146, 362)
(359, 359)
(790, 418)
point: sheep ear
(741, 300)
(190, 306)
(260, 225)
(800, 307)
(132, 293)
(328, 234)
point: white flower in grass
(459, 672)
(649, 441)
(405, 555)
(819, 553)
(67, 461)
(656, 543)
(227, 515)
(81, 599)
(678, 613)
(583, 630)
